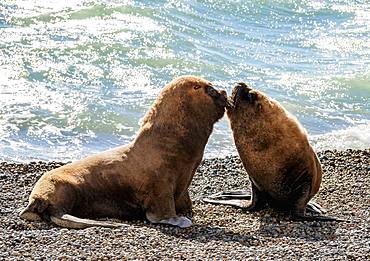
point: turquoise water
(76, 77)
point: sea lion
(147, 178)
(273, 146)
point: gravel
(219, 232)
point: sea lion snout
(220, 97)
(229, 103)
(223, 93)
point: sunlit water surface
(76, 77)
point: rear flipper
(70, 221)
(250, 200)
(32, 216)
(233, 194)
(37, 210)
(230, 202)
(298, 217)
(34, 210)
(299, 207)
(235, 198)
(228, 198)
(315, 208)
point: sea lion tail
(69, 221)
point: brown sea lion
(283, 168)
(147, 178)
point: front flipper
(298, 212)
(184, 205)
(161, 209)
(182, 222)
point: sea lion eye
(251, 97)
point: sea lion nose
(228, 102)
(223, 93)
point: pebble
(219, 232)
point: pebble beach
(218, 232)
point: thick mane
(180, 110)
(166, 110)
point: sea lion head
(188, 100)
(200, 96)
(249, 103)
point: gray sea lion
(147, 178)
(283, 168)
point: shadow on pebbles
(219, 232)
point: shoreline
(220, 232)
(233, 154)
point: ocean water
(77, 76)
